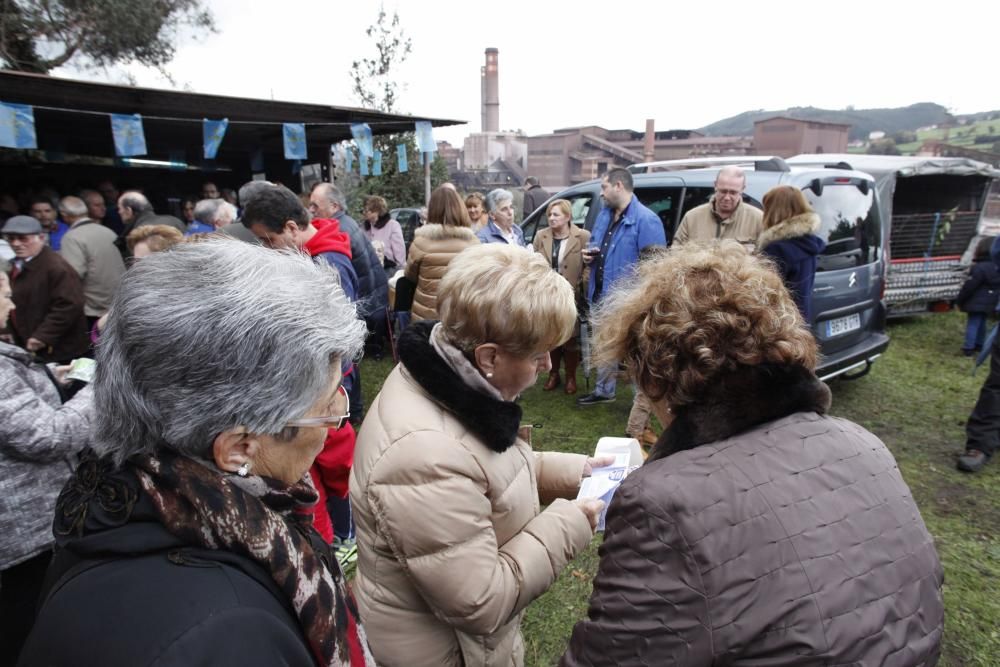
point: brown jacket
(772, 535)
(702, 224)
(452, 543)
(571, 268)
(432, 249)
(49, 306)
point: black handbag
(405, 289)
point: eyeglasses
(728, 193)
(332, 421)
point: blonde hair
(563, 205)
(156, 237)
(696, 313)
(783, 202)
(503, 294)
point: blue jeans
(607, 380)
(975, 331)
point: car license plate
(842, 325)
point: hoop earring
(244, 469)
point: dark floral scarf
(255, 517)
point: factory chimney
(491, 92)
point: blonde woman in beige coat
(447, 496)
(562, 244)
(434, 245)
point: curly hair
(156, 237)
(696, 313)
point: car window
(850, 223)
(579, 204)
(664, 202)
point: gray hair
(215, 212)
(496, 198)
(332, 193)
(216, 335)
(136, 201)
(72, 207)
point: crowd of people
(199, 500)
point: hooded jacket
(39, 439)
(794, 247)
(334, 247)
(981, 291)
(434, 246)
(452, 541)
(763, 532)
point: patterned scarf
(255, 518)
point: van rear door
(849, 275)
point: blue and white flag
(425, 137)
(213, 131)
(401, 158)
(17, 126)
(128, 134)
(363, 138)
(377, 164)
(348, 160)
(295, 141)
(363, 164)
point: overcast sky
(613, 64)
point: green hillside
(862, 121)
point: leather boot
(572, 361)
(554, 378)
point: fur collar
(740, 400)
(434, 231)
(793, 227)
(492, 421)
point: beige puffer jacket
(433, 247)
(452, 545)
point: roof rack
(758, 162)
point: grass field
(916, 399)
(964, 135)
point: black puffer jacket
(123, 591)
(763, 532)
(981, 290)
(373, 286)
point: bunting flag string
(401, 158)
(363, 138)
(425, 137)
(363, 165)
(348, 160)
(295, 141)
(377, 163)
(213, 132)
(17, 126)
(128, 135)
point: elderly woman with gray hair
(501, 227)
(183, 539)
(447, 491)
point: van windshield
(850, 225)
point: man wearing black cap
(48, 298)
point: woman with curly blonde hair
(761, 530)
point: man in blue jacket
(982, 431)
(623, 232)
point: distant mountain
(862, 121)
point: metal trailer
(932, 210)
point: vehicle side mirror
(816, 186)
(863, 187)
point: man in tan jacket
(89, 247)
(724, 216)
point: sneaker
(594, 399)
(972, 461)
(346, 552)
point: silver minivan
(849, 315)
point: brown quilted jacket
(792, 542)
